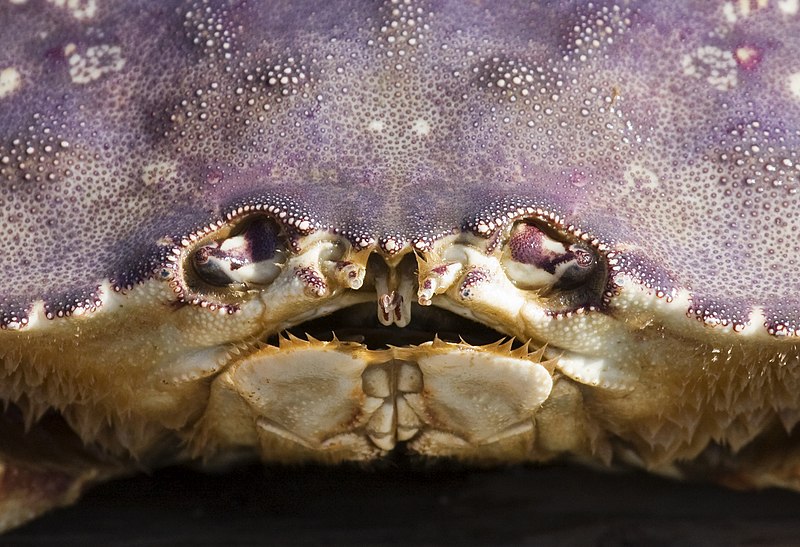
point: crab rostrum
(312, 231)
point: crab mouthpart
(359, 324)
(351, 384)
(362, 348)
(336, 400)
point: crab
(318, 231)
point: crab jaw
(339, 399)
(312, 395)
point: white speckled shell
(668, 131)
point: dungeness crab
(310, 231)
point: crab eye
(252, 255)
(534, 258)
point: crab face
(309, 233)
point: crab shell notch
(299, 231)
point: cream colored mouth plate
(353, 403)
(355, 400)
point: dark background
(403, 504)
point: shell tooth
(507, 345)
(438, 342)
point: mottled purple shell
(669, 131)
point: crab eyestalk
(534, 260)
(253, 257)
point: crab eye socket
(252, 255)
(537, 259)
